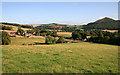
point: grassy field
(64, 34)
(58, 58)
(15, 28)
(26, 41)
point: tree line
(42, 32)
(49, 39)
(6, 28)
(97, 36)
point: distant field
(58, 58)
(15, 28)
(68, 33)
(65, 34)
(111, 31)
(22, 40)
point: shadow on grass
(38, 43)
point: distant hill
(104, 23)
(19, 25)
(52, 26)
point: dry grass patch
(111, 31)
(64, 33)
(15, 28)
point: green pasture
(58, 58)
(26, 41)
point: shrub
(54, 41)
(61, 40)
(38, 34)
(50, 40)
(20, 32)
(5, 38)
(79, 35)
(43, 34)
(54, 34)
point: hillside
(105, 23)
(32, 55)
(15, 28)
(52, 26)
(58, 58)
(18, 25)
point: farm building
(87, 37)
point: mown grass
(59, 58)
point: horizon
(57, 23)
(71, 13)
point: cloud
(101, 17)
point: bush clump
(50, 40)
(61, 40)
(20, 32)
(5, 38)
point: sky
(73, 13)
